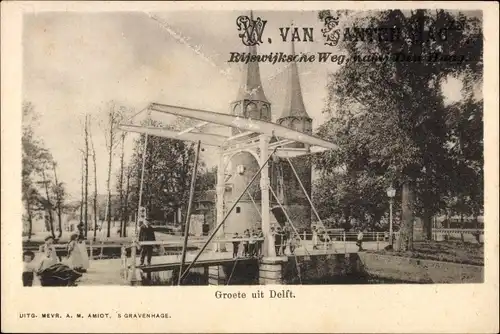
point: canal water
(194, 279)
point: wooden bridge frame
(254, 137)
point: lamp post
(391, 192)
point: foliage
(356, 200)
(167, 175)
(37, 165)
(391, 121)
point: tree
(121, 185)
(125, 216)
(96, 213)
(389, 118)
(31, 152)
(345, 200)
(86, 159)
(114, 116)
(36, 163)
(58, 190)
(167, 173)
(47, 203)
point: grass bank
(447, 251)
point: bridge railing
(245, 247)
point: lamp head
(391, 192)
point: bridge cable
(297, 234)
(232, 271)
(219, 225)
(288, 218)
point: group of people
(51, 269)
(285, 238)
(252, 246)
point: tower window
(237, 110)
(252, 111)
(264, 112)
(238, 209)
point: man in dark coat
(146, 233)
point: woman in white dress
(52, 273)
(75, 260)
(84, 254)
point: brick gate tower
(294, 116)
(251, 102)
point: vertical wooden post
(264, 188)
(91, 249)
(345, 244)
(133, 255)
(220, 199)
(188, 213)
(219, 225)
(144, 151)
(124, 262)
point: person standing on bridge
(278, 238)
(236, 245)
(260, 235)
(315, 237)
(246, 235)
(359, 242)
(146, 233)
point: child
(253, 243)
(29, 269)
(277, 241)
(246, 235)
(260, 235)
(294, 242)
(236, 245)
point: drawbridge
(263, 139)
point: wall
(248, 215)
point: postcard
(249, 167)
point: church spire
(251, 86)
(294, 103)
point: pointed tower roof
(251, 86)
(294, 103)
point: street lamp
(391, 192)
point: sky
(75, 63)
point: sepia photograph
(318, 166)
(306, 147)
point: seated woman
(53, 273)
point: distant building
(205, 205)
(458, 222)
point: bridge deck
(216, 258)
(107, 272)
(197, 264)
